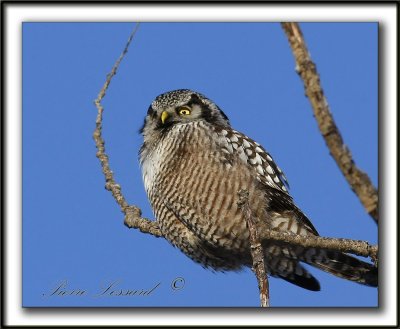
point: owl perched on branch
(194, 163)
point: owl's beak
(164, 116)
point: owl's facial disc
(179, 107)
(180, 114)
(181, 111)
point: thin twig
(355, 247)
(133, 214)
(359, 181)
(256, 249)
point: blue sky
(73, 232)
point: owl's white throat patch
(150, 165)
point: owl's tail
(342, 265)
(284, 261)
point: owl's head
(181, 106)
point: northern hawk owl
(194, 163)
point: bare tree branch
(355, 247)
(359, 182)
(256, 249)
(133, 214)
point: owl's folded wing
(255, 156)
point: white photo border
(15, 13)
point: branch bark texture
(355, 247)
(256, 249)
(359, 181)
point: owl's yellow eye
(184, 110)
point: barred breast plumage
(193, 165)
(199, 207)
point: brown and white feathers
(193, 164)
